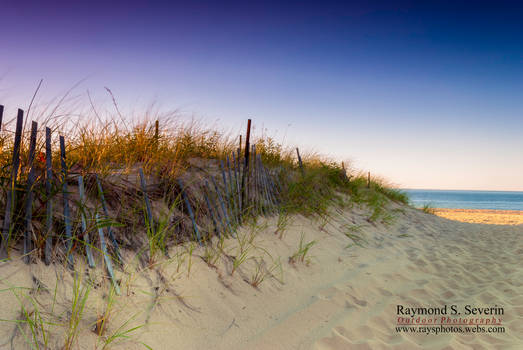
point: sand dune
(343, 298)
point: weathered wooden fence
(247, 189)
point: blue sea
(501, 200)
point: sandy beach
(341, 296)
(482, 216)
(261, 175)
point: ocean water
(501, 200)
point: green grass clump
(301, 254)
(428, 209)
(311, 194)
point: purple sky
(427, 95)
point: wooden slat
(85, 233)
(214, 206)
(67, 212)
(237, 172)
(211, 213)
(263, 180)
(232, 194)
(190, 211)
(116, 247)
(272, 187)
(11, 193)
(107, 258)
(49, 200)
(228, 204)
(150, 220)
(222, 205)
(29, 193)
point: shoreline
(482, 216)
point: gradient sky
(426, 94)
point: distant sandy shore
(482, 216)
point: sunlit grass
(167, 147)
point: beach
(344, 294)
(330, 175)
(482, 216)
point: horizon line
(460, 189)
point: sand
(482, 216)
(342, 296)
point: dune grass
(167, 147)
(78, 302)
(302, 253)
(33, 323)
(428, 209)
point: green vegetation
(32, 324)
(428, 209)
(78, 302)
(261, 271)
(301, 255)
(352, 232)
(115, 147)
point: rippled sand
(345, 297)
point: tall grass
(78, 302)
(114, 147)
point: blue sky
(426, 95)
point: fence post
(1, 115)
(344, 171)
(156, 133)
(299, 160)
(246, 164)
(368, 179)
(11, 193)
(240, 146)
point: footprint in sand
(384, 292)
(359, 301)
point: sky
(426, 94)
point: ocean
(500, 200)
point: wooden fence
(241, 190)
